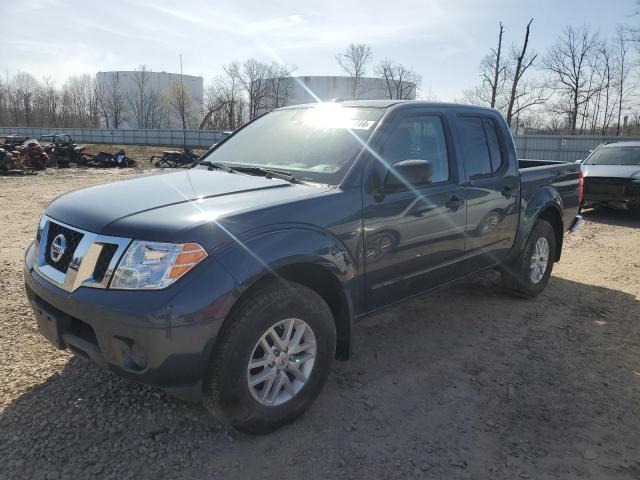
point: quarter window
(494, 144)
(480, 146)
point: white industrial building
(310, 89)
(163, 85)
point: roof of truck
(391, 103)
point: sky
(443, 40)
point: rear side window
(480, 146)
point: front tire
(272, 359)
(528, 276)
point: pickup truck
(237, 281)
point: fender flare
(277, 251)
(544, 198)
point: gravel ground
(463, 383)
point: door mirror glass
(408, 173)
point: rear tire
(228, 393)
(528, 276)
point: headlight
(635, 177)
(154, 265)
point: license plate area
(51, 322)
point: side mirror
(579, 161)
(408, 173)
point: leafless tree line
(83, 102)
(401, 81)
(26, 101)
(581, 85)
(141, 104)
(244, 91)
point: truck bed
(526, 163)
(557, 175)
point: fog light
(133, 356)
(138, 356)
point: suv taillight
(580, 187)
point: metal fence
(543, 147)
(158, 137)
(556, 147)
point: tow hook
(577, 222)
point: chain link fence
(155, 137)
(557, 147)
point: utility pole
(182, 108)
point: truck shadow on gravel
(610, 216)
(463, 383)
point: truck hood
(615, 171)
(169, 207)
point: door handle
(507, 191)
(454, 203)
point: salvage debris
(175, 158)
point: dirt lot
(464, 383)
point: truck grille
(88, 260)
(104, 259)
(72, 238)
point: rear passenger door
(491, 188)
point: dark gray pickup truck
(237, 281)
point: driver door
(409, 235)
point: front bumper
(611, 190)
(162, 338)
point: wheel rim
(539, 260)
(281, 362)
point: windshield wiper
(212, 165)
(268, 173)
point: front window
(316, 143)
(618, 155)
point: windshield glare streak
(314, 143)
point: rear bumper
(158, 338)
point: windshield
(622, 155)
(315, 143)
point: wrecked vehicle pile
(175, 158)
(62, 151)
(10, 167)
(32, 155)
(109, 160)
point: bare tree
(181, 102)
(26, 89)
(265, 85)
(354, 61)
(51, 99)
(493, 63)
(221, 100)
(569, 62)
(493, 71)
(111, 101)
(401, 82)
(622, 72)
(143, 100)
(523, 94)
(252, 75)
